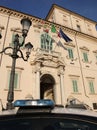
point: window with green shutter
(91, 87)
(85, 56)
(46, 42)
(13, 38)
(16, 80)
(70, 53)
(96, 58)
(75, 86)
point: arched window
(46, 42)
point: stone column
(61, 74)
(37, 79)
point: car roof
(48, 106)
(56, 110)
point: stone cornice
(70, 44)
(34, 19)
(14, 13)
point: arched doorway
(47, 83)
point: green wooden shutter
(75, 86)
(96, 57)
(42, 41)
(21, 40)
(15, 80)
(85, 56)
(13, 37)
(91, 85)
(70, 52)
(51, 45)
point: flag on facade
(59, 43)
(53, 29)
(64, 36)
(45, 28)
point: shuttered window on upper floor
(70, 53)
(91, 87)
(85, 57)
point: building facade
(57, 69)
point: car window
(47, 123)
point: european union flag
(64, 36)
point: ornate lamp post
(17, 53)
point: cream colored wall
(73, 20)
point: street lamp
(17, 53)
(0, 36)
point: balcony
(40, 51)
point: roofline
(31, 16)
(62, 8)
(20, 12)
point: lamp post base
(9, 106)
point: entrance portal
(47, 83)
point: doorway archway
(47, 83)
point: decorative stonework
(84, 48)
(48, 60)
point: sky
(40, 8)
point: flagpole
(55, 46)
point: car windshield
(47, 123)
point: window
(96, 27)
(17, 79)
(13, 38)
(46, 42)
(1, 28)
(75, 86)
(70, 53)
(65, 20)
(95, 106)
(96, 57)
(91, 87)
(85, 57)
(49, 121)
(0, 34)
(78, 28)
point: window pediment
(95, 51)
(18, 30)
(1, 27)
(70, 44)
(84, 48)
